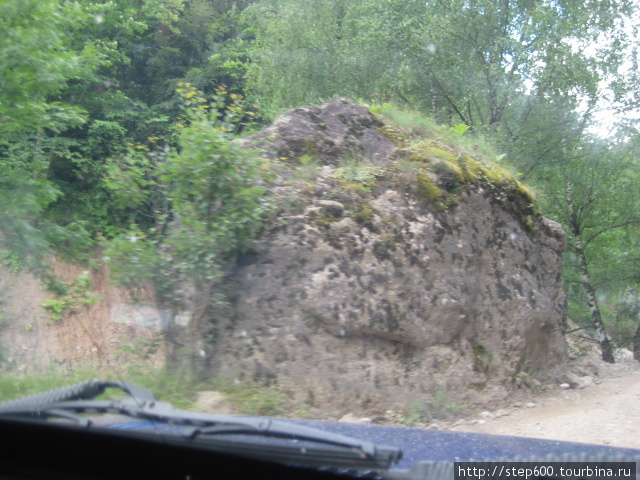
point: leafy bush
(206, 199)
(71, 297)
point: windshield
(392, 212)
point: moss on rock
(324, 221)
(437, 153)
(436, 172)
(393, 133)
(433, 196)
(450, 175)
(363, 213)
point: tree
(146, 47)
(591, 198)
(514, 69)
(81, 80)
(213, 205)
(36, 64)
(302, 45)
(628, 313)
(87, 48)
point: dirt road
(606, 413)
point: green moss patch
(395, 134)
(324, 222)
(436, 164)
(450, 175)
(433, 196)
(363, 214)
(434, 153)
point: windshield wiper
(237, 435)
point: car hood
(419, 444)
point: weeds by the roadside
(179, 389)
(266, 401)
(12, 386)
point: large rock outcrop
(392, 271)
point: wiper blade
(78, 391)
(227, 433)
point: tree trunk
(592, 301)
(596, 318)
(636, 345)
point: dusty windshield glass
(389, 212)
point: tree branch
(449, 100)
(610, 227)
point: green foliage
(71, 297)
(134, 184)
(114, 62)
(136, 259)
(11, 260)
(308, 46)
(627, 318)
(36, 62)
(601, 219)
(460, 129)
(55, 308)
(605, 217)
(40, 61)
(354, 169)
(215, 184)
(24, 195)
(213, 195)
(105, 138)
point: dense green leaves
(206, 197)
(37, 62)
(208, 202)
(591, 197)
(517, 70)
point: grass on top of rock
(355, 168)
(434, 163)
(308, 169)
(411, 126)
(441, 162)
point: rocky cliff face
(397, 267)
